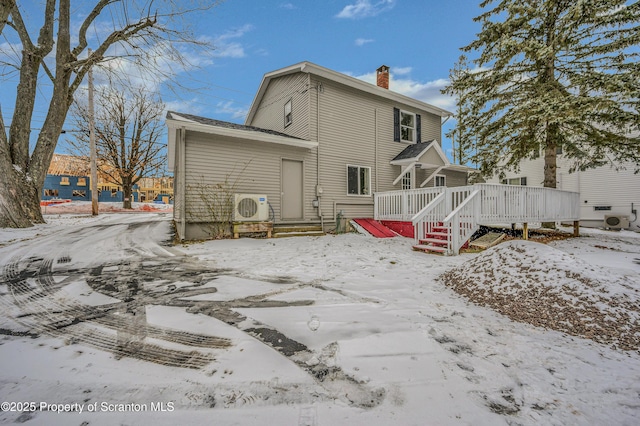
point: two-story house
(317, 143)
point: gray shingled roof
(226, 124)
(412, 151)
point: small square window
(82, 181)
(288, 116)
(64, 180)
(440, 180)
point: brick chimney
(382, 77)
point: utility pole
(92, 145)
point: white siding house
(604, 191)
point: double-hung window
(407, 126)
(358, 180)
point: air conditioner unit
(616, 221)
(250, 208)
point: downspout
(319, 89)
(375, 142)
(183, 185)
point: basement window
(79, 193)
(50, 192)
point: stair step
(428, 241)
(430, 249)
(438, 234)
(440, 228)
(297, 234)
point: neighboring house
(604, 191)
(66, 187)
(316, 142)
(67, 178)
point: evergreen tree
(551, 74)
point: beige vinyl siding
(270, 112)
(350, 125)
(251, 167)
(453, 178)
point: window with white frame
(522, 181)
(288, 116)
(407, 180)
(407, 126)
(440, 180)
(358, 180)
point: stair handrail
(418, 220)
(457, 235)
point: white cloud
(428, 92)
(363, 41)
(402, 70)
(225, 46)
(229, 108)
(365, 9)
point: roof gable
(414, 153)
(311, 68)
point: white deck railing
(464, 209)
(402, 205)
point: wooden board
(249, 227)
(487, 240)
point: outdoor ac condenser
(616, 221)
(250, 208)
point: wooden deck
(462, 210)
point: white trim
(359, 167)
(239, 134)
(438, 170)
(404, 172)
(310, 68)
(414, 131)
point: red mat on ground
(375, 228)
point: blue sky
(418, 39)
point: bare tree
(128, 125)
(136, 30)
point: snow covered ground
(102, 314)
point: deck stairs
(436, 241)
(444, 219)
